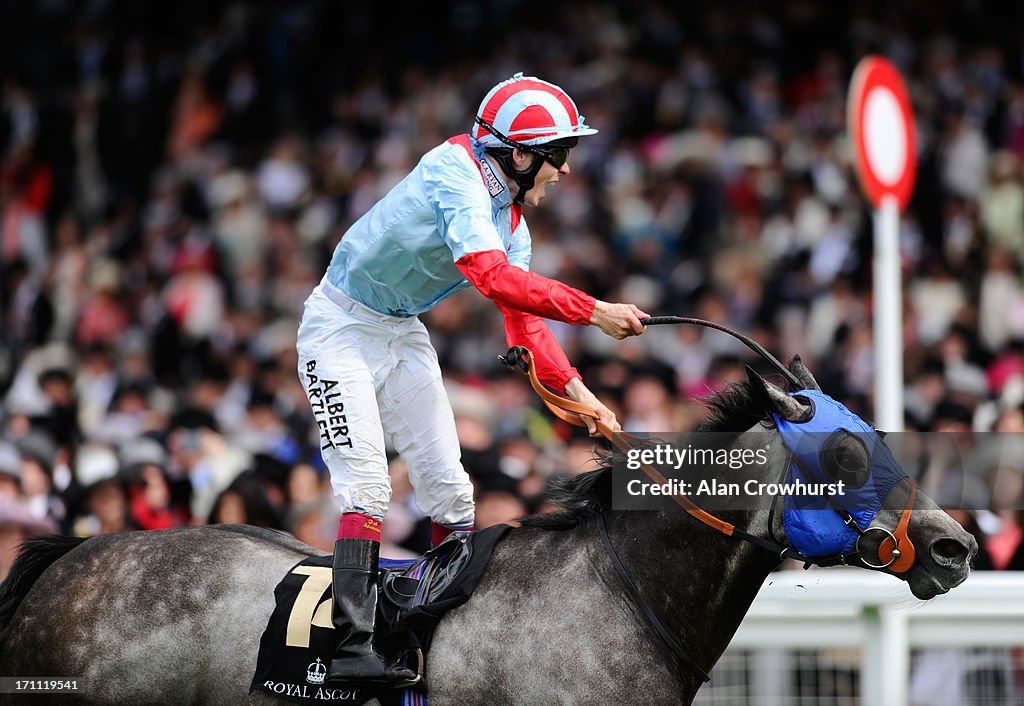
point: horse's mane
(35, 556)
(581, 497)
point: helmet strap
(504, 156)
(524, 178)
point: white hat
(94, 463)
(528, 111)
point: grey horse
(175, 617)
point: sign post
(881, 124)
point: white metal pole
(872, 666)
(895, 656)
(888, 318)
(885, 656)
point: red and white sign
(881, 123)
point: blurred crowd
(174, 178)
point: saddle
(413, 596)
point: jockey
(365, 359)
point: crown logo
(316, 672)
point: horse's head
(879, 521)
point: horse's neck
(698, 581)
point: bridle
(896, 551)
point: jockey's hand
(617, 320)
(579, 392)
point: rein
(573, 412)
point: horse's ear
(773, 399)
(797, 367)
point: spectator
(151, 503)
(104, 316)
(38, 457)
(16, 525)
(102, 503)
(10, 473)
(314, 522)
(61, 420)
(304, 484)
(245, 501)
(1016, 561)
(497, 506)
(202, 456)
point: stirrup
(407, 683)
(419, 666)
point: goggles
(557, 156)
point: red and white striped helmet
(529, 111)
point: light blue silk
(399, 257)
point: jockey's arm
(552, 365)
(582, 394)
(515, 288)
(524, 297)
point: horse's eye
(844, 457)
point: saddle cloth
(299, 642)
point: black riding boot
(355, 608)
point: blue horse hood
(811, 523)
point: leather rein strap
(896, 550)
(573, 412)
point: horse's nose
(953, 553)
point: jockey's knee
(368, 498)
(449, 503)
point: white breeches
(374, 380)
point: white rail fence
(854, 612)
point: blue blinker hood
(811, 523)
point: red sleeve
(515, 288)
(522, 329)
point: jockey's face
(548, 174)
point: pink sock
(356, 525)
